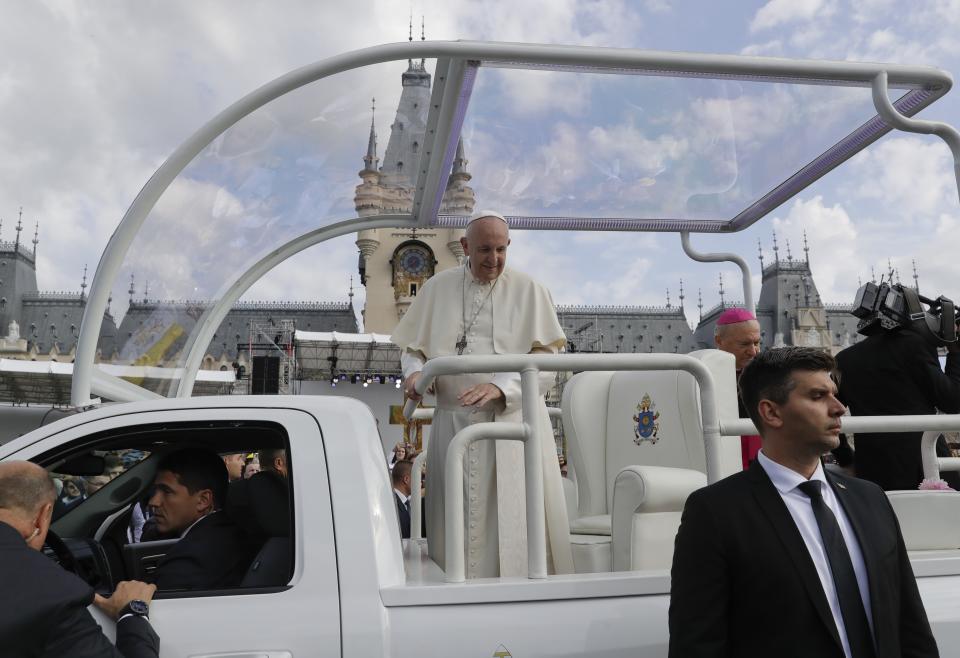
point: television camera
(887, 307)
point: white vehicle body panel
(297, 620)
(357, 590)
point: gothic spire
(19, 228)
(776, 249)
(806, 247)
(423, 37)
(83, 283)
(410, 38)
(370, 160)
(132, 291)
(916, 279)
(760, 252)
(700, 302)
(459, 160)
(668, 298)
(721, 290)
(873, 274)
(459, 171)
(350, 294)
(36, 238)
(789, 255)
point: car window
(132, 495)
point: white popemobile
(337, 580)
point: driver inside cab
(190, 490)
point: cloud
(779, 12)
(912, 177)
(772, 48)
(832, 236)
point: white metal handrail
(426, 413)
(416, 493)
(931, 426)
(416, 471)
(529, 366)
(455, 567)
(450, 365)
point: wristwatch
(135, 607)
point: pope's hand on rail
(479, 395)
(409, 387)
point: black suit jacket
(215, 553)
(743, 583)
(895, 373)
(404, 515)
(43, 611)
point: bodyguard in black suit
(784, 559)
(896, 373)
(213, 552)
(43, 608)
(400, 476)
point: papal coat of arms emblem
(645, 425)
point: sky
(95, 96)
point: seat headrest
(260, 504)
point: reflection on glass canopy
(557, 144)
(547, 141)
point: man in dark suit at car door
(43, 607)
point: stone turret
(394, 264)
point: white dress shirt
(800, 508)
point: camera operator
(896, 371)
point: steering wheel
(93, 570)
(62, 553)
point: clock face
(414, 261)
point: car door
(301, 618)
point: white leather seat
(929, 522)
(631, 485)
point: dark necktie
(844, 577)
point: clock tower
(394, 263)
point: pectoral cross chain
(461, 344)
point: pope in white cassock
(483, 308)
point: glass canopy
(553, 137)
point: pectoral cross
(461, 344)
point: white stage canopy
(48, 382)
(356, 358)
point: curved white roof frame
(895, 118)
(456, 66)
(214, 315)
